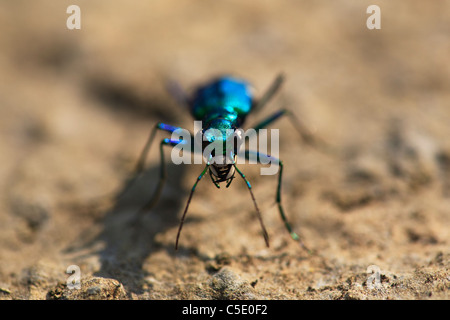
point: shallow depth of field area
(76, 108)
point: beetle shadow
(129, 235)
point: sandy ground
(76, 107)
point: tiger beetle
(224, 104)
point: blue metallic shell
(225, 98)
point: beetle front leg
(269, 159)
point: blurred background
(76, 108)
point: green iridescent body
(226, 98)
(222, 106)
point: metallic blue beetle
(223, 104)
